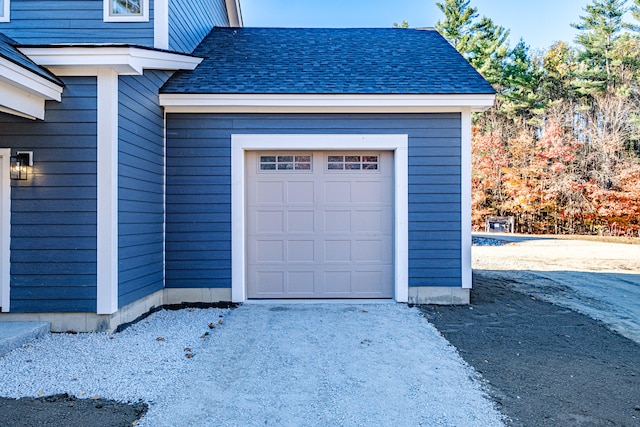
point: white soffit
(308, 103)
(23, 92)
(126, 60)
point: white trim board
(107, 216)
(234, 13)
(5, 13)
(23, 93)
(396, 143)
(307, 103)
(161, 24)
(5, 230)
(465, 202)
(126, 60)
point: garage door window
(285, 162)
(352, 163)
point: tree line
(560, 150)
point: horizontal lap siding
(191, 20)
(53, 213)
(141, 187)
(72, 21)
(199, 187)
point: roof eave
(23, 92)
(126, 60)
(307, 103)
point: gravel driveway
(285, 365)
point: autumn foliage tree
(560, 151)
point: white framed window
(126, 10)
(4, 10)
(352, 162)
(285, 162)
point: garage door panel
(270, 283)
(319, 232)
(301, 283)
(269, 251)
(300, 221)
(337, 283)
(267, 221)
(337, 251)
(368, 251)
(337, 221)
(368, 192)
(269, 193)
(301, 251)
(337, 192)
(369, 221)
(300, 192)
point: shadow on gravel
(544, 365)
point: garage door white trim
(396, 143)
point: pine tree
(600, 29)
(458, 25)
(483, 43)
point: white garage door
(319, 224)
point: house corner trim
(107, 215)
(465, 192)
(5, 231)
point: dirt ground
(544, 365)
(65, 410)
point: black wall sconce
(20, 164)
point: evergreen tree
(483, 43)
(458, 25)
(635, 13)
(521, 81)
(600, 29)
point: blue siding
(191, 20)
(141, 187)
(53, 213)
(72, 21)
(198, 242)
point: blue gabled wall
(53, 213)
(191, 20)
(141, 187)
(72, 21)
(198, 239)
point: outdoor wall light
(20, 164)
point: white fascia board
(126, 60)
(234, 13)
(21, 103)
(251, 103)
(29, 81)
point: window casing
(126, 10)
(285, 162)
(4, 10)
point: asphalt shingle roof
(328, 61)
(9, 51)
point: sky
(540, 23)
